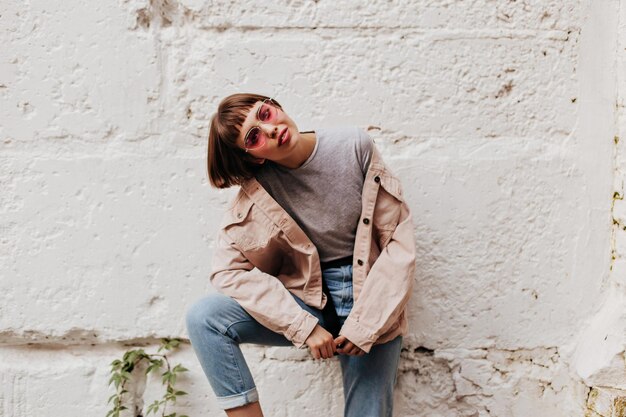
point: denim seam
(344, 294)
(395, 376)
(343, 288)
(232, 355)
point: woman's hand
(321, 343)
(347, 347)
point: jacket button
(377, 178)
(366, 221)
(239, 215)
(360, 262)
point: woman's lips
(283, 137)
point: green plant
(121, 370)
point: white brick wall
(499, 116)
(600, 356)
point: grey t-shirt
(323, 195)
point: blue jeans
(217, 324)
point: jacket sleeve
(262, 295)
(387, 287)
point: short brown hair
(228, 164)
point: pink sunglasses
(266, 113)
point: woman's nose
(270, 131)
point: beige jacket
(262, 255)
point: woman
(315, 250)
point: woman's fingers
(324, 352)
(331, 351)
(340, 343)
(316, 353)
(351, 349)
(347, 348)
(327, 349)
(321, 343)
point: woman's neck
(301, 152)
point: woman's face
(268, 132)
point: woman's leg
(248, 410)
(217, 324)
(369, 380)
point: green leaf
(167, 376)
(128, 366)
(150, 369)
(169, 344)
(117, 381)
(179, 368)
(153, 408)
(111, 398)
(164, 343)
(180, 393)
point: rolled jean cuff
(238, 400)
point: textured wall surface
(504, 119)
(599, 358)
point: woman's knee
(206, 312)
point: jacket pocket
(391, 185)
(237, 212)
(388, 208)
(388, 202)
(249, 229)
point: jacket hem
(357, 334)
(301, 329)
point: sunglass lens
(253, 139)
(266, 112)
